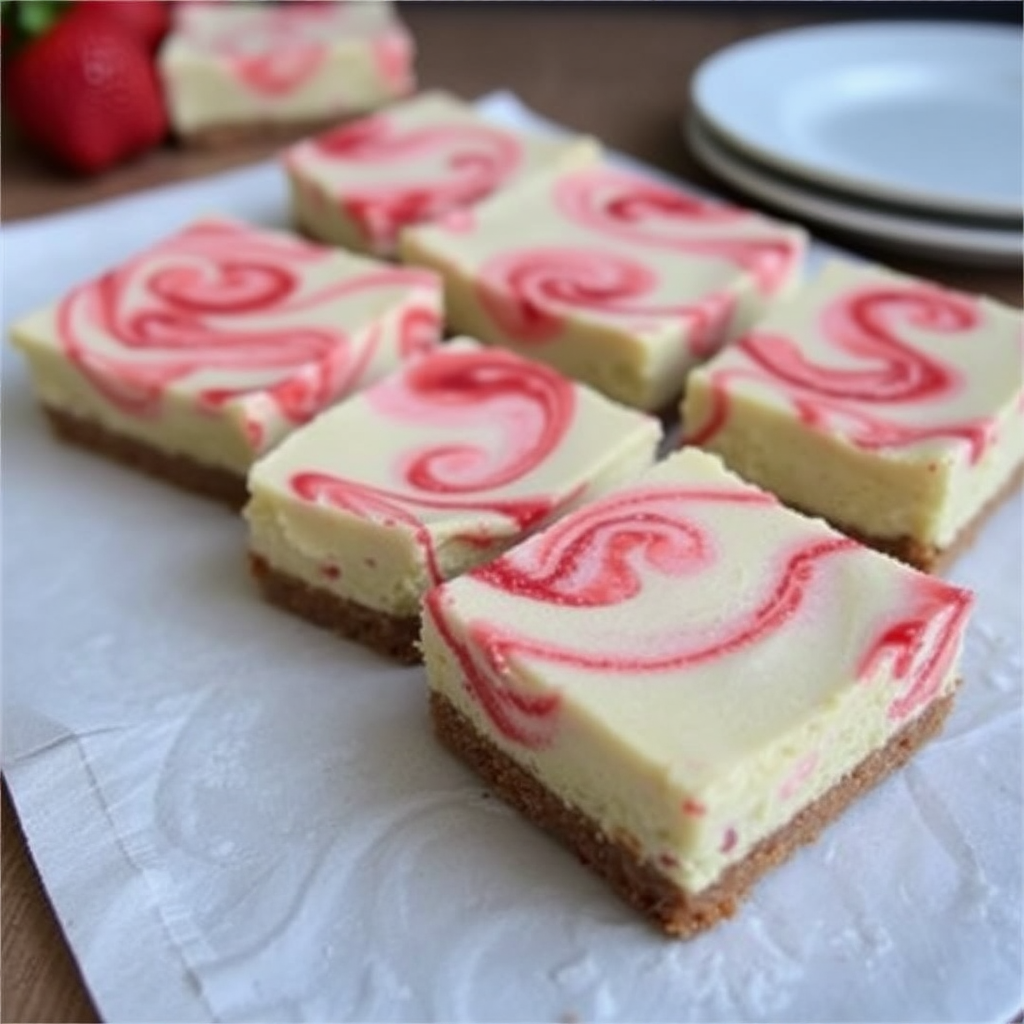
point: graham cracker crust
(223, 136)
(616, 857)
(390, 635)
(182, 470)
(928, 557)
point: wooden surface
(619, 71)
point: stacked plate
(905, 134)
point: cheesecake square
(359, 184)
(885, 404)
(684, 681)
(440, 467)
(614, 279)
(237, 70)
(196, 356)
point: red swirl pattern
(529, 293)
(221, 298)
(921, 646)
(278, 73)
(464, 163)
(869, 328)
(634, 208)
(593, 559)
(472, 391)
(418, 331)
(271, 50)
(392, 54)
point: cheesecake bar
(234, 70)
(685, 681)
(885, 404)
(440, 467)
(613, 278)
(360, 184)
(196, 356)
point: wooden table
(619, 71)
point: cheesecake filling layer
(690, 665)
(223, 338)
(888, 405)
(230, 64)
(614, 279)
(360, 184)
(437, 469)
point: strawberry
(86, 92)
(148, 20)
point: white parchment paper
(240, 817)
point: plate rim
(921, 201)
(905, 232)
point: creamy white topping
(436, 469)
(611, 277)
(361, 183)
(884, 403)
(223, 338)
(228, 64)
(689, 663)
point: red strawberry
(147, 20)
(86, 93)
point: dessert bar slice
(359, 184)
(887, 405)
(234, 70)
(194, 357)
(615, 279)
(438, 468)
(685, 681)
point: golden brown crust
(224, 136)
(395, 636)
(182, 470)
(928, 557)
(615, 858)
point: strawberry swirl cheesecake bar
(887, 405)
(360, 184)
(613, 278)
(685, 681)
(195, 357)
(440, 467)
(232, 70)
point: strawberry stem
(23, 20)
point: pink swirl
(201, 301)
(593, 559)
(529, 293)
(634, 208)
(868, 327)
(393, 56)
(418, 331)
(273, 50)
(532, 406)
(389, 508)
(475, 160)
(474, 392)
(920, 646)
(279, 73)
(595, 564)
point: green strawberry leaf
(37, 16)
(27, 19)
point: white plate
(905, 232)
(927, 114)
